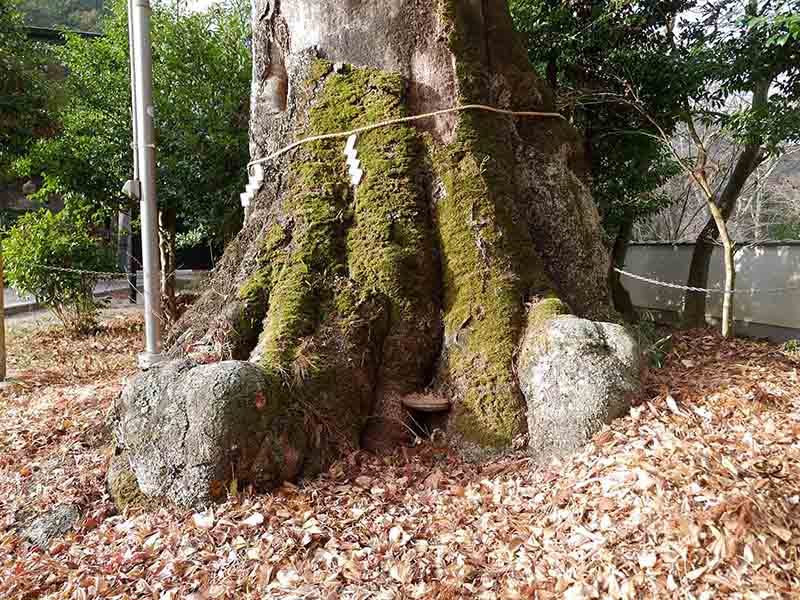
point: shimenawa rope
(409, 119)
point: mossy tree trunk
(466, 231)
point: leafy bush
(42, 242)
(791, 347)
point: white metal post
(130, 268)
(2, 321)
(146, 150)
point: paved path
(16, 303)
(12, 298)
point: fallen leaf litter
(695, 495)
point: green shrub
(653, 346)
(791, 347)
(42, 242)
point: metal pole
(145, 141)
(130, 268)
(2, 321)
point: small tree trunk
(694, 310)
(2, 319)
(167, 219)
(730, 283)
(730, 270)
(123, 239)
(723, 207)
(620, 296)
(133, 271)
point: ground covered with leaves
(695, 495)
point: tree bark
(620, 296)
(468, 230)
(167, 229)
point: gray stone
(576, 376)
(182, 432)
(51, 525)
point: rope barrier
(689, 288)
(399, 120)
(667, 284)
(100, 274)
(109, 275)
(115, 275)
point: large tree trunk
(429, 282)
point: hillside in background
(78, 15)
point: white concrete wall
(766, 266)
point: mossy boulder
(576, 375)
(184, 432)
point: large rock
(184, 432)
(576, 376)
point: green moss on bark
(490, 264)
(258, 288)
(391, 235)
(390, 249)
(349, 267)
(490, 270)
(321, 206)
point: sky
(200, 5)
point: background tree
(768, 208)
(751, 51)
(628, 70)
(43, 252)
(202, 81)
(24, 98)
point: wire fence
(122, 276)
(99, 274)
(677, 286)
